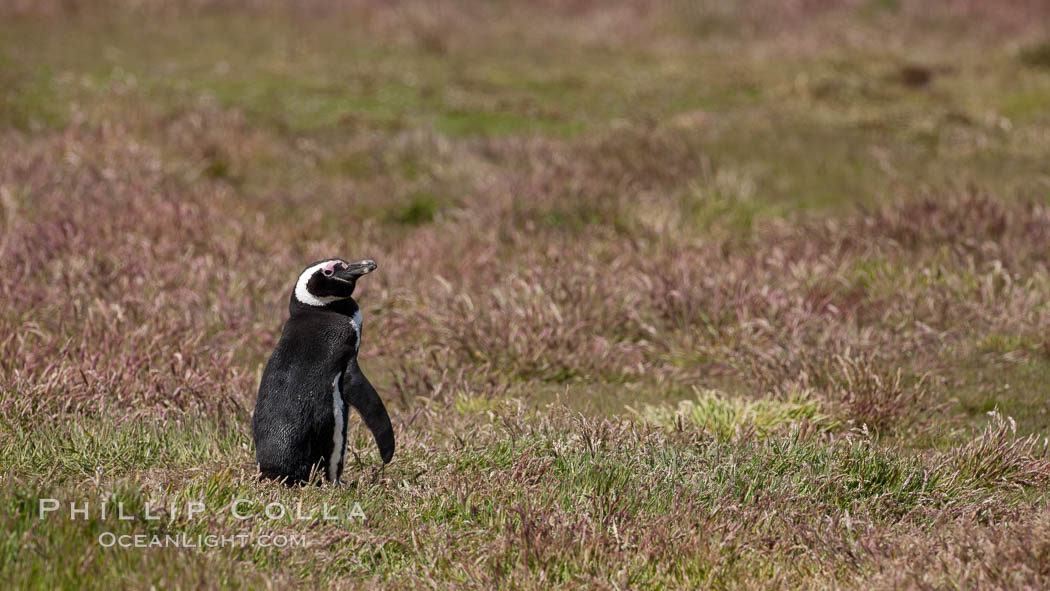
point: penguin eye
(328, 272)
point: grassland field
(671, 295)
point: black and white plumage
(312, 380)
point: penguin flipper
(362, 396)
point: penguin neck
(346, 306)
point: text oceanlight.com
(110, 539)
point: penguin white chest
(338, 437)
(338, 442)
(357, 321)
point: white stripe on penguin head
(302, 292)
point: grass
(728, 295)
(724, 418)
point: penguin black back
(312, 379)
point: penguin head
(329, 281)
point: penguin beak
(354, 270)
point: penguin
(313, 378)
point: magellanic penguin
(312, 379)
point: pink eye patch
(329, 268)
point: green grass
(725, 417)
(515, 482)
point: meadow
(730, 295)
